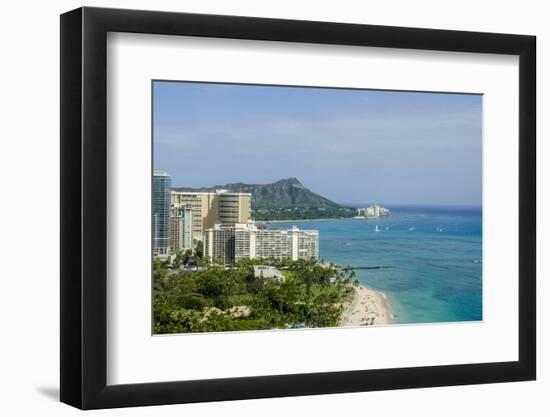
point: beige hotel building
(211, 208)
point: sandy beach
(368, 308)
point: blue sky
(352, 146)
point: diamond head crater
(286, 199)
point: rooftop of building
(251, 225)
(217, 192)
(157, 173)
(268, 271)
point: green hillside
(286, 199)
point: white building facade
(373, 211)
(232, 243)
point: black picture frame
(84, 207)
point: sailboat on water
(376, 229)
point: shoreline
(322, 219)
(302, 220)
(368, 308)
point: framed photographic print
(258, 207)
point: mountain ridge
(285, 199)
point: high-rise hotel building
(226, 243)
(372, 211)
(233, 207)
(221, 220)
(181, 228)
(210, 208)
(161, 213)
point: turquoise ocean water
(429, 259)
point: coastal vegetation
(215, 298)
(301, 213)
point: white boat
(376, 229)
(411, 229)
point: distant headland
(286, 199)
